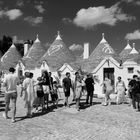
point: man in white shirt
(10, 83)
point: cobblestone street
(115, 122)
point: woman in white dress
(108, 88)
(29, 93)
(78, 90)
(120, 87)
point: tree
(5, 43)
(20, 48)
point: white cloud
(11, 14)
(2, 13)
(92, 16)
(136, 2)
(34, 20)
(75, 47)
(67, 20)
(133, 36)
(16, 40)
(40, 8)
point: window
(131, 70)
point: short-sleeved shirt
(46, 81)
(135, 86)
(10, 82)
(89, 84)
(67, 83)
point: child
(40, 93)
(54, 94)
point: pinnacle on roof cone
(128, 46)
(103, 38)
(37, 39)
(58, 36)
(134, 51)
(13, 45)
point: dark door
(109, 73)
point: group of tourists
(37, 93)
(132, 91)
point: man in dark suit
(90, 88)
(67, 85)
(134, 85)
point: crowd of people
(37, 93)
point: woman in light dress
(78, 90)
(108, 88)
(29, 93)
(120, 87)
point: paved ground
(115, 122)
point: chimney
(26, 47)
(86, 51)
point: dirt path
(115, 122)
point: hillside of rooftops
(76, 49)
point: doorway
(109, 73)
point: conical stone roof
(134, 51)
(58, 54)
(102, 50)
(124, 55)
(34, 54)
(10, 58)
(134, 54)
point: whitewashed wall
(126, 75)
(99, 73)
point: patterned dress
(78, 89)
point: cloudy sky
(78, 21)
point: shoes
(78, 109)
(68, 106)
(48, 108)
(109, 103)
(13, 121)
(29, 115)
(4, 116)
(104, 104)
(91, 104)
(56, 107)
(65, 104)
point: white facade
(126, 71)
(130, 68)
(99, 72)
(67, 68)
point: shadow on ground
(39, 113)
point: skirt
(46, 89)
